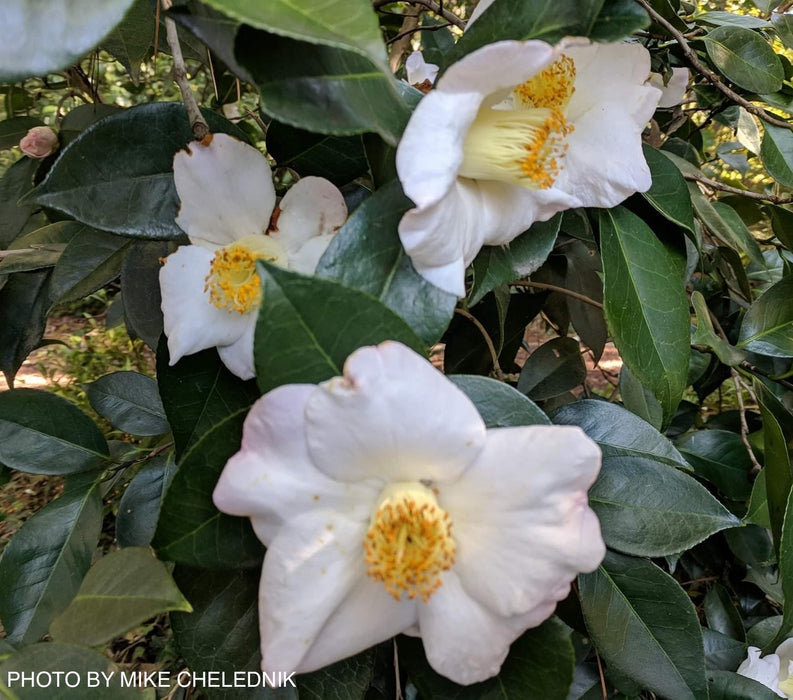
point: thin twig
(400, 44)
(736, 380)
(198, 124)
(554, 288)
(714, 79)
(432, 6)
(602, 677)
(411, 32)
(398, 685)
(488, 340)
(716, 185)
(752, 369)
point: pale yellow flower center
(232, 282)
(524, 145)
(409, 542)
(786, 686)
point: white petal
(481, 6)
(673, 92)
(272, 479)
(313, 207)
(463, 640)
(366, 617)
(521, 520)
(238, 356)
(418, 70)
(309, 569)
(765, 670)
(191, 322)
(785, 653)
(226, 190)
(305, 259)
(392, 416)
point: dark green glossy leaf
(767, 328)
(366, 254)
(721, 613)
(724, 223)
(43, 565)
(16, 181)
(782, 222)
(619, 432)
(726, 685)
(349, 93)
(583, 276)
(745, 58)
(137, 194)
(130, 401)
(307, 327)
(776, 153)
(786, 575)
(140, 289)
(650, 509)
(539, 665)
(646, 306)
(12, 130)
(720, 457)
(706, 335)
(783, 24)
(130, 41)
(55, 44)
(139, 507)
(42, 433)
(28, 259)
(637, 399)
(720, 19)
(552, 369)
(499, 404)
(644, 625)
(121, 591)
(190, 529)
(722, 653)
(669, 193)
(757, 509)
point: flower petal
(238, 356)
(305, 259)
(673, 92)
(367, 616)
(519, 555)
(313, 207)
(191, 322)
(463, 640)
(272, 479)
(418, 70)
(392, 416)
(785, 653)
(481, 6)
(763, 670)
(226, 190)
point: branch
(198, 124)
(401, 42)
(432, 6)
(554, 288)
(716, 185)
(714, 79)
(736, 380)
(488, 340)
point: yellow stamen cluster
(232, 282)
(409, 542)
(551, 88)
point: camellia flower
(210, 289)
(672, 92)
(775, 671)
(514, 133)
(39, 142)
(420, 74)
(387, 507)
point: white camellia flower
(210, 289)
(774, 671)
(387, 507)
(514, 133)
(672, 92)
(419, 72)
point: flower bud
(39, 142)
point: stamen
(551, 88)
(232, 282)
(409, 542)
(520, 146)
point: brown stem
(401, 43)
(488, 340)
(736, 380)
(432, 6)
(554, 288)
(716, 185)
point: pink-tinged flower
(386, 507)
(211, 291)
(39, 142)
(774, 671)
(514, 133)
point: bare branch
(716, 185)
(554, 288)
(432, 6)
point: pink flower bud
(39, 142)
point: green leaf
(644, 625)
(345, 24)
(668, 193)
(307, 327)
(652, 510)
(720, 19)
(720, 457)
(496, 265)
(645, 305)
(60, 38)
(139, 507)
(130, 401)
(539, 665)
(42, 566)
(745, 58)
(12, 130)
(637, 399)
(552, 369)
(16, 181)
(339, 159)
(366, 254)
(783, 24)
(767, 327)
(757, 509)
(776, 153)
(27, 259)
(725, 223)
(782, 224)
(721, 613)
(722, 653)
(140, 289)
(190, 529)
(41, 433)
(786, 575)
(583, 275)
(137, 194)
(50, 658)
(198, 393)
(706, 335)
(349, 93)
(130, 41)
(499, 404)
(121, 591)
(619, 432)
(726, 685)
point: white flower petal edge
(673, 92)
(419, 71)
(765, 670)
(332, 484)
